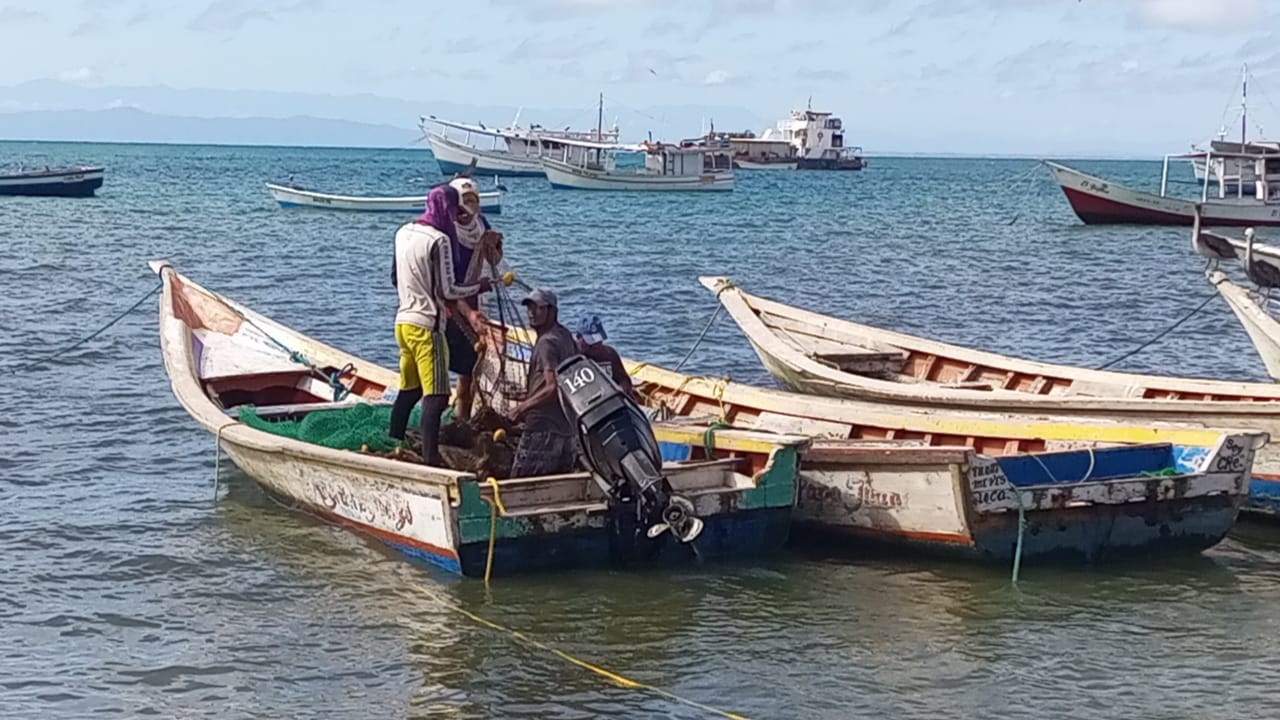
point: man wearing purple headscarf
(423, 273)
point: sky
(1126, 78)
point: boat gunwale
(744, 308)
(179, 360)
(273, 188)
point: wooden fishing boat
(1097, 201)
(667, 168)
(294, 196)
(813, 353)
(76, 181)
(513, 151)
(1253, 312)
(221, 357)
(958, 482)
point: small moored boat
(823, 355)
(294, 196)
(75, 181)
(232, 369)
(1097, 201)
(667, 168)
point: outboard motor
(618, 445)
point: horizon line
(887, 154)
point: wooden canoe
(822, 355)
(953, 481)
(290, 196)
(1258, 322)
(220, 356)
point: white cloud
(1202, 14)
(80, 76)
(718, 77)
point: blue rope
(340, 391)
(91, 336)
(701, 336)
(1162, 333)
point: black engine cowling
(618, 445)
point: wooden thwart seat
(865, 362)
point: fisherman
(476, 244)
(423, 273)
(590, 339)
(547, 445)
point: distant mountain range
(133, 125)
(57, 110)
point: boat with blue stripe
(815, 353)
(984, 486)
(245, 378)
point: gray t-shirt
(550, 349)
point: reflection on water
(129, 591)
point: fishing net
(484, 445)
(359, 427)
(504, 347)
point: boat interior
(838, 348)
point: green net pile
(351, 428)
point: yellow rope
(620, 680)
(717, 392)
(494, 507)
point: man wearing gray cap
(547, 446)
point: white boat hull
(453, 157)
(1097, 201)
(219, 355)
(1262, 327)
(753, 165)
(490, 202)
(571, 177)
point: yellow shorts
(424, 359)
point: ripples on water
(128, 592)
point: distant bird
(1264, 274)
(1214, 247)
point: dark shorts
(544, 453)
(462, 351)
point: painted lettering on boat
(1100, 188)
(869, 496)
(819, 493)
(856, 494)
(368, 508)
(988, 485)
(1231, 458)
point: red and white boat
(1098, 202)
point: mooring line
(1166, 331)
(94, 334)
(620, 680)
